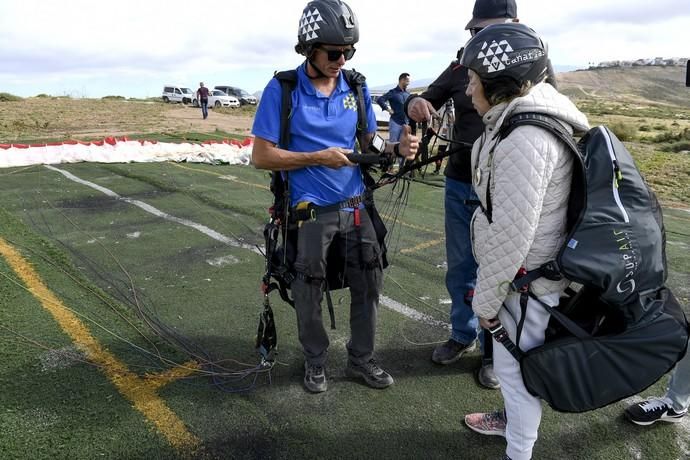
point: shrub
(682, 146)
(7, 97)
(645, 128)
(113, 98)
(666, 136)
(660, 127)
(623, 131)
(43, 95)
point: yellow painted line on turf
(179, 372)
(414, 227)
(233, 179)
(421, 246)
(140, 392)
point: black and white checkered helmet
(330, 22)
(507, 50)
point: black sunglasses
(334, 55)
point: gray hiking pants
(679, 385)
(362, 264)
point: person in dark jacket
(460, 199)
(394, 103)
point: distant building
(657, 61)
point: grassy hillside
(647, 85)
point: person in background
(460, 199)
(671, 407)
(323, 130)
(523, 184)
(202, 97)
(394, 102)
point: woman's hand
(489, 323)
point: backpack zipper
(617, 175)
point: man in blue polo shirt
(323, 129)
(394, 102)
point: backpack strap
(550, 269)
(541, 120)
(355, 81)
(288, 82)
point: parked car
(382, 116)
(244, 97)
(172, 93)
(217, 98)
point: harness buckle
(498, 332)
(522, 272)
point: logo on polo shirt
(350, 102)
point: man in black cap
(488, 12)
(460, 199)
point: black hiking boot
(372, 374)
(450, 351)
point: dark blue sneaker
(654, 410)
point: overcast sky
(91, 48)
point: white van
(382, 116)
(172, 93)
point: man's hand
(408, 144)
(419, 109)
(334, 157)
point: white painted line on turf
(411, 312)
(156, 212)
(385, 301)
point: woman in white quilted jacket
(522, 178)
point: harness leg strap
(329, 302)
(501, 335)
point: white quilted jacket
(530, 181)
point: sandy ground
(34, 119)
(189, 118)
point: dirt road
(189, 118)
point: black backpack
(623, 329)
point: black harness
(284, 221)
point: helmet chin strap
(319, 74)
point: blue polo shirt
(317, 123)
(396, 98)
